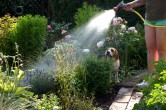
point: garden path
(128, 95)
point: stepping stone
(125, 91)
(118, 106)
(131, 105)
(136, 97)
(122, 98)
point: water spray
(123, 5)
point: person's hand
(127, 7)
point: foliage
(66, 81)
(85, 13)
(10, 101)
(155, 93)
(64, 11)
(55, 33)
(30, 34)
(7, 26)
(12, 95)
(99, 74)
(47, 102)
(126, 40)
(40, 82)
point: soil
(104, 101)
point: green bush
(55, 33)
(99, 74)
(40, 81)
(30, 34)
(12, 95)
(47, 102)
(130, 45)
(155, 93)
(84, 14)
(67, 83)
(7, 28)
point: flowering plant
(119, 27)
(126, 40)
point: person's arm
(136, 3)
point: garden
(51, 58)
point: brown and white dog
(113, 53)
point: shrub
(10, 101)
(66, 81)
(126, 40)
(7, 28)
(40, 82)
(47, 102)
(154, 94)
(12, 95)
(85, 13)
(30, 34)
(99, 74)
(55, 33)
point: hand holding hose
(128, 7)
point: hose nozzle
(120, 5)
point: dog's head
(112, 52)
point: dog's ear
(116, 54)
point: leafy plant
(30, 34)
(99, 74)
(85, 13)
(7, 28)
(12, 95)
(40, 82)
(66, 80)
(126, 40)
(47, 102)
(154, 94)
(9, 101)
(55, 33)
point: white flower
(121, 34)
(123, 27)
(100, 44)
(135, 31)
(119, 19)
(86, 51)
(131, 29)
(164, 87)
(127, 32)
(115, 22)
(68, 37)
(55, 107)
(63, 32)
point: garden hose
(145, 21)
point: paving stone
(136, 97)
(122, 98)
(118, 106)
(125, 91)
(131, 105)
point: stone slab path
(126, 99)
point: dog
(113, 53)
